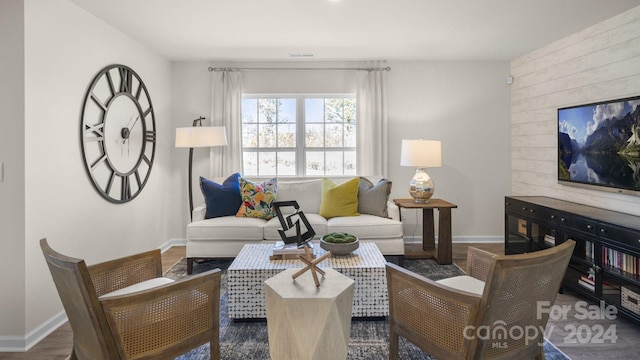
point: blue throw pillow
(221, 200)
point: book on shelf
(550, 240)
(620, 261)
(280, 248)
(589, 282)
(588, 279)
(586, 285)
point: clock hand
(126, 131)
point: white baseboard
(173, 242)
(24, 343)
(461, 239)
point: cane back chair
(125, 309)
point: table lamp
(198, 136)
(421, 154)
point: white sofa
(223, 237)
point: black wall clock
(118, 133)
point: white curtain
(226, 108)
(371, 129)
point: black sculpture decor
(291, 221)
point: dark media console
(606, 260)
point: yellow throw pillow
(339, 200)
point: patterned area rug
(369, 339)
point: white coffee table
(249, 270)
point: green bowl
(339, 248)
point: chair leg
(540, 355)
(214, 347)
(189, 266)
(393, 345)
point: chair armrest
(199, 213)
(479, 263)
(393, 211)
(184, 311)
(430, 315)
(116, 274)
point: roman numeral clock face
(118, 133)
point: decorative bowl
(339, 248)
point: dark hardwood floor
(559, 331)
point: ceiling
(351, 29)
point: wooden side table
(305, 322)
(443, 253)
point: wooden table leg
(444, 237)
(428, 232)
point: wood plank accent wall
(599, 63)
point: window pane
(267, 164)
(249, 110)
(249, 135)
(349, 135)
(287, 110)
(286, 135)
(314, 110)
(250, 163)
(349, 162)
(333, 135)
(267, 137)
(334, 163)
(333, 110)
(267, 110)
(314, 136)
(350, 110)
(286, 163)
(314, 163)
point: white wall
(12, 200)
(64, 48)
(464, 104)
(599, 63)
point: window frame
(301, 146)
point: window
(299, 135)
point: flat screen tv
(599, 145)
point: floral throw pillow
(257, 199)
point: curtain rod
(384, 68)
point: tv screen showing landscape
(599, 145)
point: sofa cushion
(305, 192)
(221, 199)
(366, 226)
(372, 199)
(257, 199)
(339, 200)
(317, 222)
(226, 228)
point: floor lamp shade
(198, 136)
(421, 154)
(201, 136)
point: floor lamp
(198, 136)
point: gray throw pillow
(372, 199)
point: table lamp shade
(201, 136)
(421, 153)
